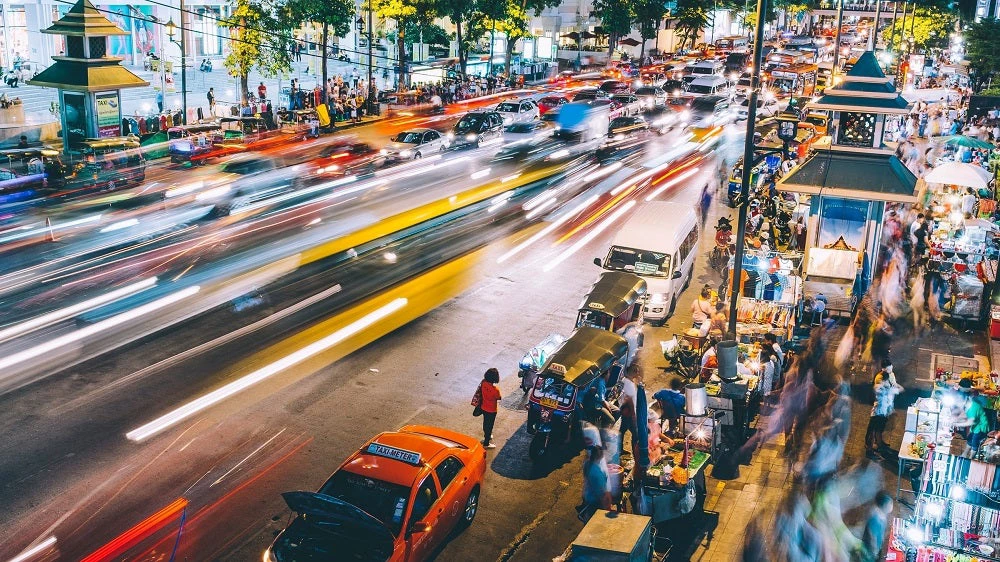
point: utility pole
(735, 286)
(892, 30)
(836, 47)
(184, 81)
(878, 21)
(371, 63)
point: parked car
(414, 144)
(397, 499)
(518, 111)
(476, 127)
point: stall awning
(875, 177)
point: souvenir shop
(770, 295)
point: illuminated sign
(409, 457)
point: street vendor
(671, 402)
(975, 418)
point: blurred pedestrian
(886, 388)
(211, 100)
(876, 528)
(596, 490)
(490, 397)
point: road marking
(245, 459)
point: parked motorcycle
(719, 256)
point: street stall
(770, 296)
(611, 536)
(848, 185)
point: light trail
(34, 551)
(74, 337)
(548, 229)
(56, 315)
(667, 185)
(119, 225)
(199, 404)
(47, 229)
(612, 218)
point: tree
(691, 17)
(930, 28)
(616, 19)
(648, 14)
(403, 12)
(460, 12)
(333, 15)
(261, 39)
(982, 50)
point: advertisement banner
(109, 116)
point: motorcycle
(533, 361)
(723, 244)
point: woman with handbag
(485, 401)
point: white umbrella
(959, 173)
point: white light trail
(667, 185)
(119, 225)
(538, 209)
(34, 551)
(69, 311)
(199, 404)
(73, 337)
(548, 229)
(590, 235)
(44, 229)
(480, 174)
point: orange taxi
(396, 499)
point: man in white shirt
(969, 202)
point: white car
(650, 97)
(518, 111)
(629, 102)
(413, 144)
(765, 108)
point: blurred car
(673, 88)
(620, 127)
(765, 108)
(396, 499)
(615, 150)
(414, 144)
(614, 87)
(474, 128)
(246, 180)
(518, 111)
(526, 130)
(563, 78)
(711, 111)
(346, 158)
(650, 97)
(662, 119)
(629, 102)
(549, 103)
(550, 116)
(590, 94)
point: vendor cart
(659, 492)
(612, 536)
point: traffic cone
(51, 237)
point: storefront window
(207, 36)
(856, 129)
(17, 34)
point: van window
(688, 245)
(640, 262)
(701, 89)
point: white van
(707, 67)
(659, 243)
(708, 86)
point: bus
(795, 80)
(732, 43)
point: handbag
(477, 401)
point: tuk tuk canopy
(614, 292)
(585, 355)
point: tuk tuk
(614, 303)
(556, 403)
(104, 164)
(190, 141)
(240, 130)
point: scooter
(721, 252)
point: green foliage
(338, 15)
(404, 13)
(690, 18)
(648, 14)
(432, 33)
(930, 28)
(261, 38)
(982, 49)
(616, 16)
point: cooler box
(610, 536)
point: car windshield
(508, 107)
(704, 104)
(700, 89)
(552, 391)
(469, 123)
(640, 262)
(646, 91)
(244, 167)
(382, 500)
(408, 138)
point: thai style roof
(852, 175)
(94, 76)
(84, 20)
(864, 89)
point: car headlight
(405, 153)
(451, 135)
(657, 298)
(269, 556)
(685, 115)
(470, 137)
(383, 152)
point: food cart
(659, 492)
(611, 536)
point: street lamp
(579, 38)
(171, 31)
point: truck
(583, 121)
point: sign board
(402, 455)
(109, 114)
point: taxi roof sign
(558, 368)
(402, 455)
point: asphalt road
(69, 471)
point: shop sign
(109, 114)
(843, 224)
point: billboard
(109, 115)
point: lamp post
(171, 31)
(579, 38)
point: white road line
(246, 458)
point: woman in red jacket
(491, 396)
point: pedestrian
(488, 396)
(886, 388)
(876, 528)
(211, 101)
(626, 405)
(262, 92)
(596, 491)
(159, 100)
(671, 402)
(975, 419)
(701, 307)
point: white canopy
(959, 173)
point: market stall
(660, 492)
(961, 262)
(770, 295)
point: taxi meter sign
(402, 455)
